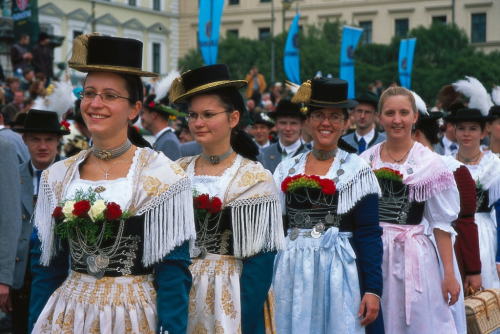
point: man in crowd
(12, 85)
(365, 114)
(12, 108)
(42, 57)
(448, 143)
(27, 79)
(19, 55)
(256, 85)
(41, 134)
(261, 129)
(16, 140)
(289, 118)
(155, 118)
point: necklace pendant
(214, 160)
(106, 175)
(291, 170)
(99, 189)
(467, 160)
(410, 170)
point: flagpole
(211, 30)
(272, 42)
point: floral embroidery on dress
(227, 303)
(218, 328)
(210, 300)
(192, 303)
(151, 185)
(95, 328)
(200, 328)
(58, 188)
(176, 169)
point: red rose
(284, 184)
(112, 212)
(202, 202)
(65, 125)
(215, 206)
(57, 214)
(81, 209)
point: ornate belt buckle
(199, 252)
(315, 234)
(294, 234)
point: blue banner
(406, 50)
(350, 39)
(208, 29)
(291, 59)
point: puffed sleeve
(278, 177)
(442, 209)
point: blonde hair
(397, 91)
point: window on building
(265, 0)
(366, 38)
(233, 32)
(234, 2)
(264, 33)
(401, 27)
(77, 33)
(132, 2)
(156, 57)
(478, 31)
(439, 19)
(156, 5)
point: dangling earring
(413, 126)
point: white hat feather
(421, 106)
(163, 86)
(477, 94)
(495, 95)
(59, 98)
(292, 86)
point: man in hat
(448, 143)
(261, 129)
(41, 134)
(157, 118)
(42, 57)
(16, 139)
(289, 118)
(365, 114)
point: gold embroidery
(210, 300)
(57, 187)
(192, 302)
(227, 304)
(218, 327)
(176, 169)
(128, 324)
(200, 328)
(224, 242)
(151, 185)
(69, 161)
(95, 328)
(247, 179)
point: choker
(215, 159)
(324, 155)
(112, 153)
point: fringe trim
(168, 222)
(352, 191)
(494, 191)
(43, 219)
(422, 191)
(257, 225)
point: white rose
(96, 209)
(68, 209)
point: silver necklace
(469, 161)
(106, 171)
(404, 156)
(324, 155)
(216, 159)
(112, 153)
(203, 169)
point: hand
(474, 281)
(5, 302)
(452, 287)
(370, 306)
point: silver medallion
(320, 227)
(196, 252)
(298, 218)
(329, 219)
(294, 234)
(203, 252)
(340, 172)
(101, 261)
(335, 179)
(372, 157)
(291, 170)
(342, 160)
(296, 160)
(315, 234)
(92, 268)
(410, 170)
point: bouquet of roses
(388, 174)
(87, 214)
(204, 205)
(292, 183)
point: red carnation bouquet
(292, 183)
(388, 174)
(88, 214)
(65, 125)
(205, 206)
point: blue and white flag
(406, 51)
(350, 39)
(208, 29)
(291, 59)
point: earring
(413, 126)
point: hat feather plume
(292, 86)
(60, 99)
(477, 94)
(303, 94)
(163, 86)
(495, 95)
(421, 106)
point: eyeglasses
(332, 118)
(207, 116)
(105, 97)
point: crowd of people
(284, 210)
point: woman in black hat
(237, 213)
(415, 184)
(133, 206)
(493, 128)
(485, 170)
(329, 199)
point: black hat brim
(59, 132)
(347, 104)
(210, 87)
(432, 117)
(269, 124)
(469, 119)
(274, 114)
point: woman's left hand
(452, 287)
(370, 306)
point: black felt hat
(42, 121)
(367, 96)
(324, 93)
(453, 108)
(18, 120)
(150, 104)
(469, 115)
(94, 52)
(430, 117)
(288, 108)
(201, 80)
(263, 118)
(494, 111)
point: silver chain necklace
(324, 155)
(216, 159)
(112, 153)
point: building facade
(381, 19)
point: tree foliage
(442, 55)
